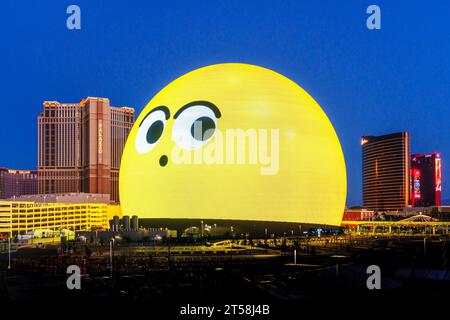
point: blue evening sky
(368, 82)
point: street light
(9, 253)
(111, 243)
(201, 228)
(168, 256)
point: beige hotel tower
(80, 146)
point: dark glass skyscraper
(426, 181)
(385, 164)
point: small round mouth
(163, 160)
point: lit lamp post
(231, 247)
(424, 246)
(201, 228)
(9, 253)
(111, 243)
(168, 255)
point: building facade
(65, 198)
(80, 146)
(15, 183)
(426, 179)
(18, 217)
(357, 215)
(385, 166)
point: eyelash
(162, 108)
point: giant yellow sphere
(233, 141)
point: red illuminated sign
(438, 174)
(426, 179)
(416, 184)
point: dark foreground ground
(328, 277)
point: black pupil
(203, 128)
(155, 131)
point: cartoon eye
(195, 124)
(151, 129)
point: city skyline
(368, 82)
(225, 159)
(85, 103)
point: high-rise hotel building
(385, 164)
(16, 183)
(426, 179)
(80, 146)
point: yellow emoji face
(233, 141)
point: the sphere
(233, 141)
